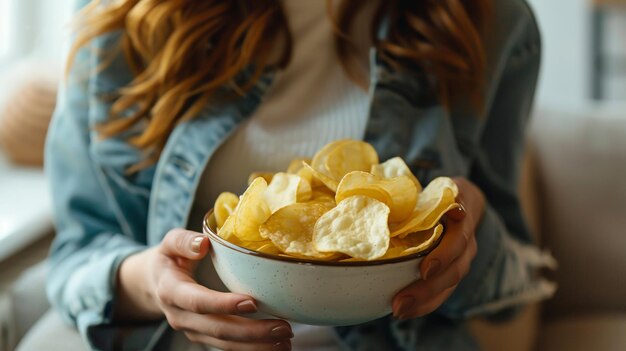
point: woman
(170, 102)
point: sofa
(573, 190)
(574, 195)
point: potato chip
(319, 160)
(307, 174)
(282, 191)
(224, 207)
(269, 248)
(404, 195)
(443, 183)
(227, 231)
(356, 227)
(399, 193)
(362, 183)
(393, 252)
(296, 165)
(318, 164)
(426, 219)
(341, 205)
(291, 228)
(265, 175)
(395, 167)
(322, 192)
(305, 191)
(349, 156)
(326, 180)
(436, 199)
(422, 241)
(251, 212)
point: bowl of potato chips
(331, 240)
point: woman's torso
(404, 119)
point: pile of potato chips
(342, 206)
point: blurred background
(574, 189)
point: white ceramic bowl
(308, 291)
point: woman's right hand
(204, 315)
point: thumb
(185, 243)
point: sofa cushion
(604, 332)
(582, 173)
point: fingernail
(405, 305)
(458, 213)
(281, 332)
(246, 306)
(197, 243)
(282, 345)
(433, 268)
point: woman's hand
(159, 282)
(444, 267)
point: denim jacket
(103, 215)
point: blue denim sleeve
(503, 275)
(89, 244)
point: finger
(233, 345)
(184, 243)
(428, 306)
(176, 288)
(231, 328)
(416, 295)
(452, 245)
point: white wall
(565, 72)
(616, 50)
(54, 19)
(38, 35)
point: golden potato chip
(397, 242)
(436, 199)
(251, 212)
(322, 192)
(393, 252)
(403, 194)
(426, 219)
(307, 174)
(443, 183)
(356, 227)
(319, 160)
(326, 180)
(296, 165)
(341, 205)
(362, 183)
(395, 167)
(334, 257)
(224, 207)
(265, 175)
(305, 192)
(399, 193)
(282, 191)
(349, 156)
(328, 201)
(269, 248)
(291, 228)
(318, 164)
(422, 241)
(227, 231)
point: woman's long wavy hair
(183, 51)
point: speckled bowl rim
(216, 238)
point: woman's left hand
(444, 267)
